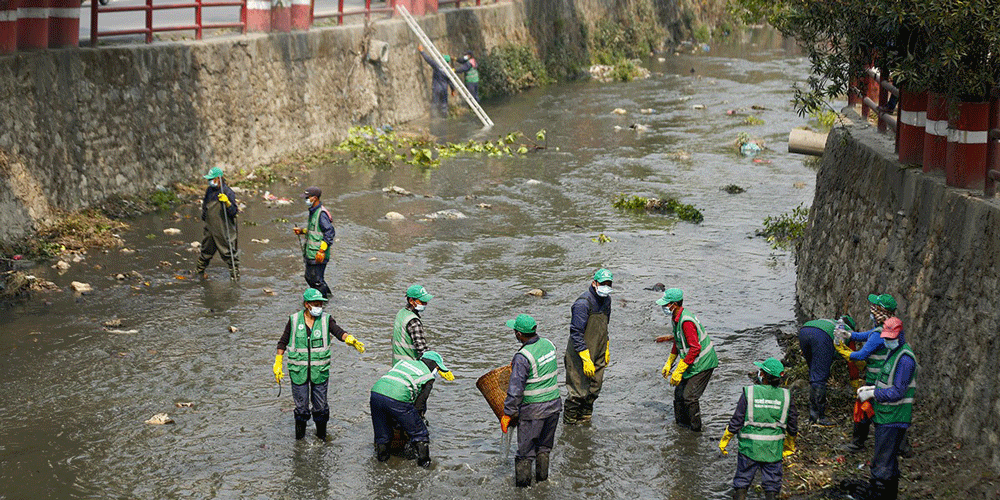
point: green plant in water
(753, 120)
(825, 118)
(383, 149)
(734, 189)
(786, 230)
(668, 206)
(625, 70)
(602, 239)
(163, 200)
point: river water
(76, 396)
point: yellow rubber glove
(725, 441)
(278, 374)
(225, 199)
(355, 343)
(789, 447)
(504, 423)
(666, 368)
(675, 379)
(843, 350)
(588, 365)
(447, 375)
(323, 246)
(607, 354)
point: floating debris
(372, 259)
(450, 213)
(127, 251)
(638, 127)
(698, 106)
(263, 241)
(602, 239)
(188, 404)
(396, 190)
(680, 154)
(62, 266)
(532, 182)
(734, 189)
(81, 288)
(658, 287)
(112, 323)
(394, 216)
(799, 185)
(646, 111)
(121, 332)
(270, 198)
(120, 277)
(160, 419)
(268, 291)
(171, 231)
(619, 111)
(669, 205)
(485, 206)
(536, 292)
(195, 244)
(233, 329)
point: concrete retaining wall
(876, 227)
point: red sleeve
(694, 347)
(674, 351)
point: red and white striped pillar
(935, 132)
(64, 24)
(281, 16)
(33, 25)
(965, 160)
(912, 117)
(259, 15)
(419, 7)
(8, 26)
(301, 14)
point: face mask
(213, 183)
(666, 311)
(315, 311)
(307, 201)
(603, 290)
(760, 378)
(891, 344)
(872, 316)
(419, 307)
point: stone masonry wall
(878, 227)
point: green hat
(671, 295)
(850, 321)
(215, 172)
(602, 275)
(435, 357)
(447, 58)
(312, 295)
(523, 323)
(885, 301)
(418, 292)
(772, 366)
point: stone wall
(876, 226)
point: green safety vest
(309, 355)
(897, 411)
(827, 325)
(402, 343)
(314, 236)
(404, 380)
(541, 385)
(763, 433)
(706, 358)
(472, 76)
(874, 361)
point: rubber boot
(813, 413)
(681, 417)
(905, 448)
(858, 436)
(423, 453)
(694, 411)
(321, 430)
(300, 429)
(522, 472)
(821, 419)
(542, 467)
(739, 494)
(770, 495)
(381, 452)
(571, 411)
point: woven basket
(493, 385)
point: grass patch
(509, 69)
(666, 206)
(76, 231)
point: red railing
(390, 7)
(149, 8)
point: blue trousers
(473, 89)
(386, 411)
(885, 464)
(315, 279)
(302, 394)
(536, 436)
(817, 348)
(746, 469)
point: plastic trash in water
(705, 47)
(749, 148)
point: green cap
(850, 321)
(435, 357)
(671, 295)
(523, 323)
(312, 295)
(215, 172)
(885, 301)
(603, 275)
(447, 59)
(418, 292)
(772, 366)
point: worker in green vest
(588, 350)
(307, 338)
(696, 360)
(319, 233)
(470, 68)
(533, 403)
(766, 423)
(408, 339)
(392, 399)
(893, 396)
(816, 343)
(219, 210)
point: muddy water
(75, 396)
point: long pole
(439, 60)
(229, 241)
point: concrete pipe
(378, 51)
(806, 142)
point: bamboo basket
(493, 385)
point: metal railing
(367, 11)
(150, 28)
(886, 119)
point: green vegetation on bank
(509, 69)
(785, 231)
